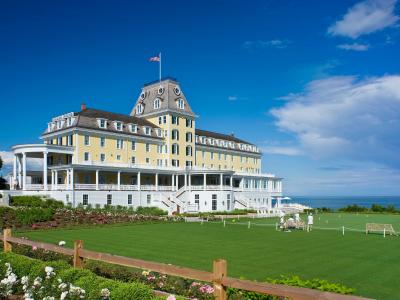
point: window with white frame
(120, 144)
(175, 162)
(133, 128)
(109, 199)
(189, 123)
(85, 199)
(129, 199)
(175, 134)
(180, 103)
(175, 120)
(102, 157)
(102, 141)
(147, 130)
(147, 160)
(188, 150)
(159, 132)
(86, 156)
(118, 126)
(133, 146)
(175, 149)
(148, 198)
(157, 103)
(189, 137)
(139, 109)
(87, 140)
(133, 160)
(159, 149)
(102, 123)
(147, 147)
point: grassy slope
(367, 263)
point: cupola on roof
(161, 96)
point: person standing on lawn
(310, 222)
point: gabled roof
(87, 118)
(169, 92)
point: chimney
(83, 106)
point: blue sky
(315, 84)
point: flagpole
(160, 68)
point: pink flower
(34, 248)
(171, 297)
(206, 289)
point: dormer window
(180, 103)
(102, 123)
(139, 109)
(118, 125)
(133, 128)
(159, 132)
(160, 90)
(147, 130)
(157, 103)
(212, 141)
(70, 121)
(60, 124)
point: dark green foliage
(150, 211)
(35, 201)
(375, 208)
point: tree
(3, 182)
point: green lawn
(368, 263)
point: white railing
(84, 186)
(129, 187)
(164, 188)
(128, 165)
(34, 187)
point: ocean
(336, 202)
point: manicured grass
(368, 263)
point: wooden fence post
(78, 261)
(7, 247)
(219, 271)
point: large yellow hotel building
(155, 156)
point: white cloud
(281, 150)
(232, 98)
(354, 47)
(366, 17)
(346, 118)
(279, 44)
(7, 157)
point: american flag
(154, 58)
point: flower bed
(33, 279)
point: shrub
(35, 201)
(150, 211)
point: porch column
(231, 182)
(97, 180)
(177, 182)
(24, 171)
(190, 182)
(156, 179)
(71, 172)
(19, 172)
(242, 184)
(185, 181)
(45, 171)
(138, 181)
(52, 180)
(261, 184)
(119, 180)
(68, 177)
(173, 182)
(204, 181)
(12, 184)
(221, 177)
(56, 179)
